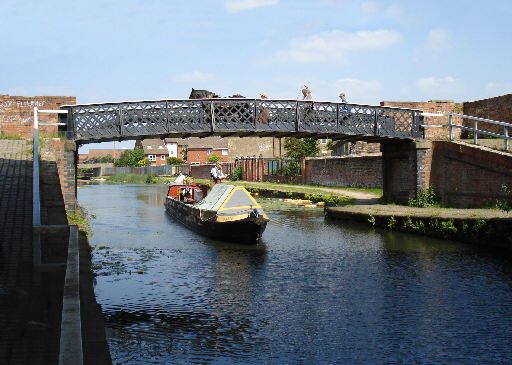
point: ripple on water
(312, 292)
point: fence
(270, 169)
(199, 171)
(474, 130)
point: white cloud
(440, 88)
(234, 6)
(193, 76)
(359, 91)
(336, 45)
(377, 8)
(438, 40)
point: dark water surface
(313, 292)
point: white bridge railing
(71, 330)
(474, 129)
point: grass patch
(137, 179)
(309, 188)
(8, 136)
(81, 218)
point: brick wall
(200, 155)
(63, 153)
(433, 107)
(354, 171)
(266, 147)
(467, 176)
(498, 108)
(17, 114)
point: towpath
(360, 197)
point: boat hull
(244, 231)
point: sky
(112, 51)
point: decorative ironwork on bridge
(239, 117)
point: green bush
(174, 161)
(425, 198)
(213, 158)
(237, 173)
(505, 203)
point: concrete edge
(71, 352)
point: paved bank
(31, 300)
(487, 227)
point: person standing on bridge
(263, 118)
(216, 175)
(306, 93)
(344, 100)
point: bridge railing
(128, 120)
(474, 130)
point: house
(95, 156)
(199, 149)
(155, 150)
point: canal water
(313, 292)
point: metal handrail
(71, 336)
(474, 129)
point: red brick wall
(354, 171)
(17, 114)
(466, 176)
(498, 108)
(199, 155)
(64, 154)
(433, 107)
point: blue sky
(154, 49)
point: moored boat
(227, 212)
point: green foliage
(505, 203)
(81, 218)
(151, 179)
(8, 136)
(174, 161)
(237, 173)
(391, 222)
(290, 167)
(425, 198)
(137, 179)
(371, 220)
(213, 158)
(330, 145)
(143, 162)
(299, 148)
(106, 159)
(130, 157)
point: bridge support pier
(406, 169)
(65, 155)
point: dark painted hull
(245, 231)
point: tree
(299, 148)
(213, 158)
(107, 159)
(130, 157)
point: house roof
(152, 144)
(213, 142)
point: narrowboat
(226, 212)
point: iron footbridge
(239, 117)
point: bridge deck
(239, 117)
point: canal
(312, 292)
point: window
(162, 157)
(209, 152)
(323, 141)
(224, 152)
(160, 147)
(149, 147)
(152, 157)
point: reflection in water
(314, 291)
